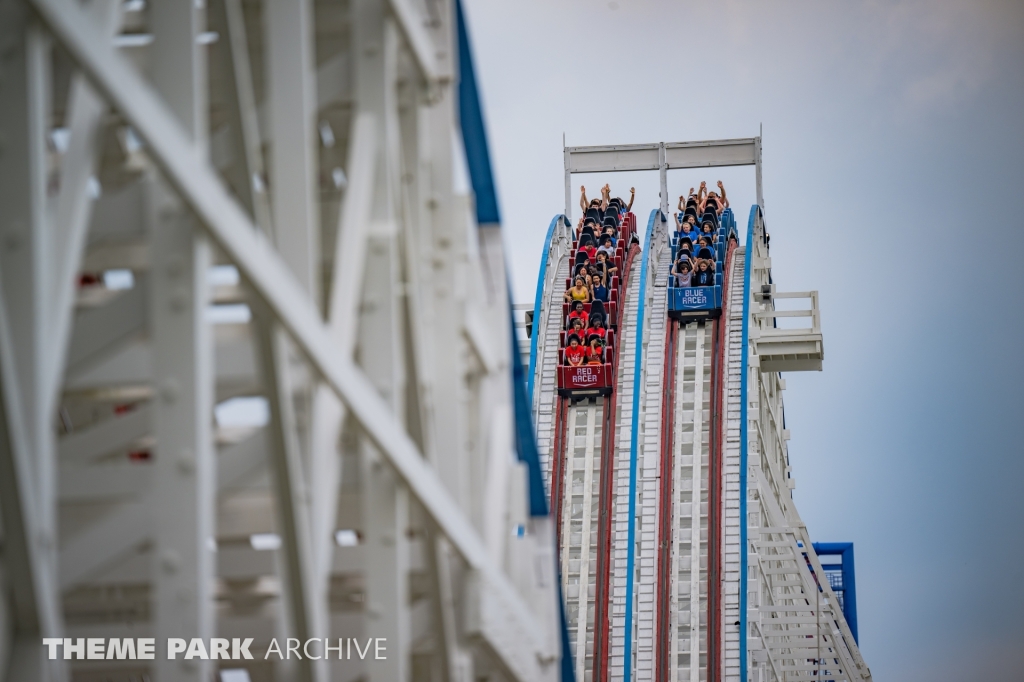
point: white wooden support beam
(104, 482)
(365, 299)
(130, 524)
(405, 130)
(25, 261)
(434, 62)
(184, 487)
(130, 368)
(294, 177)
(222, 217)
(757, 164)
(228, 19)
(384, 497)
(386, 519)
(184, 470)
(663, 178)
(606, 158)
(99, 329)
(333, 86)
(451, 664)
(662, 156)
(567, 162)
(445, 247)
(106, 437)
(303, 599)
(437, 246)
(74, 202)
(27, 445)
(35, 609)
(346, 281)
(712, 153)
(294, 187)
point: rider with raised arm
(599, 204)
(682, 269)
(717, 203)
(724, 201)
(690, 198)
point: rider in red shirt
(590, 250)
(577, 313)
(596, 328)
(574, 352)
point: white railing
(813, 312)
(519, 313)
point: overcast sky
(893, 174)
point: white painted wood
(627, 338)
(266, 271)
(649, 454)
(185, 487)
(733, 368)
(796, 630)
(689, 535)
(74, 203)
(438, 385)
(549, 322)
(580, 512)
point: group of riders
(599, 252)
(694, 264)
(594, 276)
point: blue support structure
(474, 134)
(846, 587)
(474, 138)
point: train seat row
(587, 348)
(699, 257)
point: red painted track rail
(666, 501)
(561, 443)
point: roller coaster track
(287, 237)
(577, 443)
(660, 573)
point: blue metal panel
(633, 438)
(845, 551)
(526, 441)
(474, 138)
(474, 134)
(693, 298)
(683, 299)
(748, 258)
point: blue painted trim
(538, 300)
(474, 133)
(474, 140)
(526, 447)
(526, 437)
(633, 437)
(845, 551)
(850, 593)
(748, 259)
(478, 160)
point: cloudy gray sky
(893, 174)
